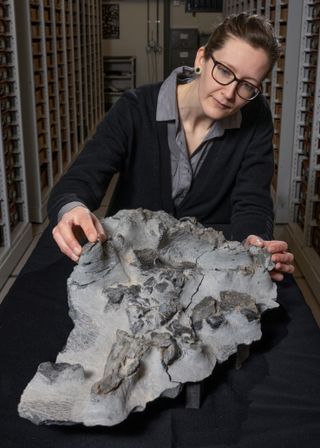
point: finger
(254, 240)
(276, 276)
(286, 258)
(65, 249)
(65, 228)
(274, 246)
(85, 221)
(288, 268)
(99, 227)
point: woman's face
(247, 63)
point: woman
(198, 144)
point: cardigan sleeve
(103, 155)
(252, 207)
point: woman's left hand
(280, 256)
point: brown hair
(254, 29)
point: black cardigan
(231, 191)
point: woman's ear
(199, 60)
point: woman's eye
(248, 87)
(224, 71)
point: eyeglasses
(224, 76)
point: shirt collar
(167, 102)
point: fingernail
(74, 257)
(77, 251)
(92, 237)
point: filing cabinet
(184, 43)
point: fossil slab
(155, 306)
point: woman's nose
(230, 90)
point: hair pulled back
(256, 30)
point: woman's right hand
(75, 224)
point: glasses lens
(222, 74)
(247, 91)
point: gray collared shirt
(183, 167)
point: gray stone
(154, 307)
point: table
(272, 401)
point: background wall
(205, 22)
(133, 38)
(133, 33)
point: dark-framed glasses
(224, 76)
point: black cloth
(272, 401)
(232, 186)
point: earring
(198, 70)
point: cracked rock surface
(155, 306)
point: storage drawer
(184, 38)
(183, 57)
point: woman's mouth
(221, 105)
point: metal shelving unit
(61, 88)
(77, 69)
(305, 168)
(119, 76)
(15, 229)
(274, 86)
(278, 15)
(51, 101)
(304, 213)
(293, 90)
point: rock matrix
(155, 306)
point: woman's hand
(79, 222)
(280, 256)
